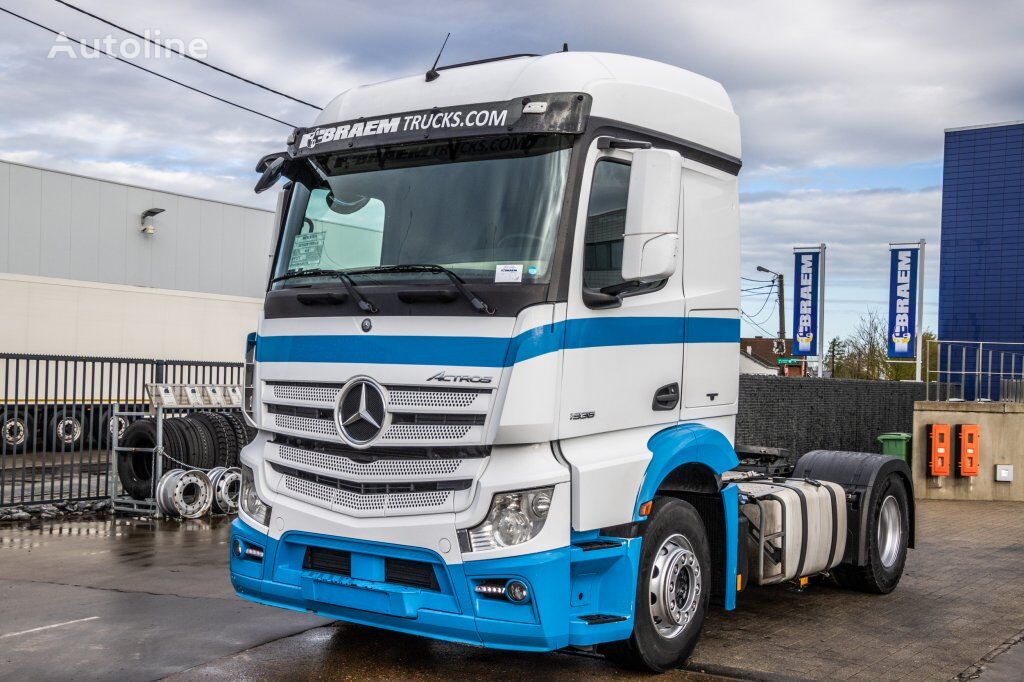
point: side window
(606, 221)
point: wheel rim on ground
(14, 431)
(890, 531)
(674, 586)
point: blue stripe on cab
(482, 351)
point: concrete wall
(1001, 439)
(803, 413)
(43, 315)
(66, 226)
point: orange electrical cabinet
(968, 449)
(939, 449)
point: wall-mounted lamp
(147, 220)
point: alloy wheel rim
(674, 587)
(14, 431)
(890, 531)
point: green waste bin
(896, 444)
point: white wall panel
(85, 229)
(5, 215)
(25, 197)
(113, 251)
(55, 225)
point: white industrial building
(83, 272)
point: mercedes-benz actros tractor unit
(496, 374)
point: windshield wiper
(477, 302)
(339, 275)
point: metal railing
(974, 370)
(57, 413)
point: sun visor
(562, 112)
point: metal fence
(974, 370)
(57, 416)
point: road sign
(789, 361)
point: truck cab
(495, 378)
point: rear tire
(16, 430)
(888, 535)
(673, 590)
(66, 430)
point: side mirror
(651, 234)
(271, 174)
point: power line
(751, 321)
(764, 303)
(184, 54)
(748, 279)
(149, 71)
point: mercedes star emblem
(361, 412)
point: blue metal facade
(981, 277)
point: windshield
(486, 208)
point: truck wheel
(888, 533)
(16, 430)
(673, 589)
(66, 430)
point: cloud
(857, 227)
(833, 97)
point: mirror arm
(599, 299)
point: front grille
(398, 571)
(327, 561)
(372, 488)
(315, 393)
(380, 468)
(412, 573)
(379, 453)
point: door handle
(666, 398)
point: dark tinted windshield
(486, 208)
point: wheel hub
(890, 531)
(675, 586)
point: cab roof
(639, 92)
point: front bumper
(565, 586)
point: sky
(842, 105)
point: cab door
(623, 358)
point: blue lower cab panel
(412, 590)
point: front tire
(673, 590)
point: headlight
(250, 502)
(512, 519)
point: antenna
(432, 74)
(565, 47)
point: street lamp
(781, 283)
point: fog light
(516, 591)
(237, 548)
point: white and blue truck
(496, 374)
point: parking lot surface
(159, 603)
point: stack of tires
(203, 440)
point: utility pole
(780, 283)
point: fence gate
(56, 416)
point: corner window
(606, 222)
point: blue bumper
(565, 585)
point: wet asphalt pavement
(136, 600)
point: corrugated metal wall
(55, 224)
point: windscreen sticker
(306, 251)
(508, 273)
(473, 118)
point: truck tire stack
(201, 440)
